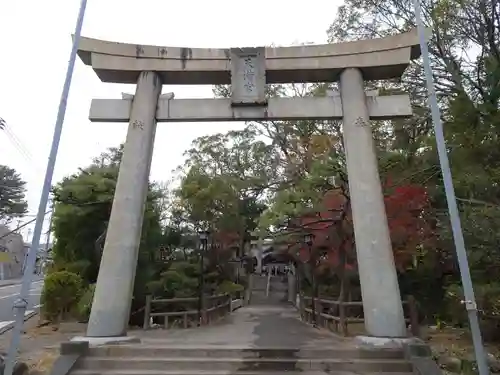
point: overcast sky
(35, 41)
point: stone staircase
(148, 359)
(278, 288)
(255, 340)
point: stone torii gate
(248, 70)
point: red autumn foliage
(332, 228)
(407, 208)
(224, 240)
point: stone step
(164, 351)
(244, 364)
(271, 295)
(261, 301)
(272, 287)
(261, 283)
(275, 284)
(211, 372)
(263, 291)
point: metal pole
(201, 281)
(43, 259)
(22, 302)
(47, 239)
(470, 303)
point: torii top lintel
(381, 58)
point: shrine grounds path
(251, 327)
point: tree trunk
(342, 276)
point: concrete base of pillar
(385, 342)
(99, 341)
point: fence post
(318, 309)
(342, 318)
(203, 310)
(147, 312)
(413, 315)
(268, 285)
(302, 308)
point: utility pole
(47, 238)
(456, 226)
(21, 303)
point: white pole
(458, 237)
(21, 303)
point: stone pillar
(291, 287)
(258, 269)
(115, 283)
(382, 306)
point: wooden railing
(184, 312)
(336, 316)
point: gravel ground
(40, 344)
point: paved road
(8, 295)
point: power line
(21, 226)
(14, 139)
(18, 145)
(10, 132)
(18, 148)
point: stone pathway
(252, 327)
(254, 340)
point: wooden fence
(184, 312)
(336, 316)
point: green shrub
(79, 267)
(60, 294)
(85, 303)
(229, 287)
(177, 283)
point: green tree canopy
(82, 208)
(12, 195)
(225, 177)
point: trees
(332, 228)
(409, 223)
(225, 176)
(12, 195)
(82, 205)
(465, 58)
(168, 254)
(282, 179)
(308, 192)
